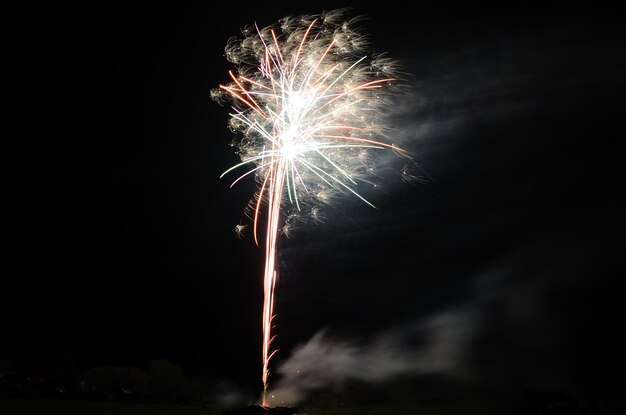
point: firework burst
(307, 106)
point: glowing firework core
(307, 102)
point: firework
(307, 104)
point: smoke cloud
(431, 346)
(513, 332)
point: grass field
(69, 407)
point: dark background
(119, 236)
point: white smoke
(330, 362)
(513, 331)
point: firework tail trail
(307, 105)
(270, 273)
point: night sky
(119, 236)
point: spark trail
(307, 104)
